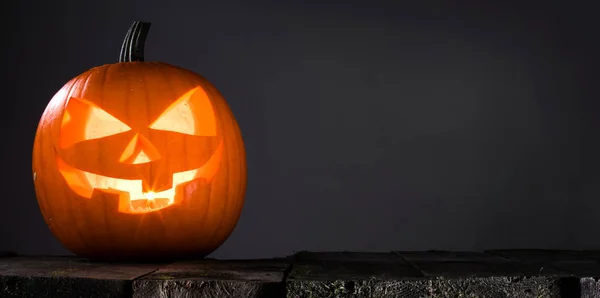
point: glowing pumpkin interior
(191, 114)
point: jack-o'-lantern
(139, 160)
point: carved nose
(139, 150)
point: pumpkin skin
(139, 160)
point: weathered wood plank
(40, 277)
(477, 274)
(347, 274)
(211, 278)
(580, 264)
(312, 274)
(546, 255)
(448, 256)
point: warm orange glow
(97, 122)
(191, 114)
(66, 118)
(101, 124)
(139, 150)
(133, 199)
(165, 177)
(150, 196)
(179, 116)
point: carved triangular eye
(96, 123)
(190, 114)
(101, 124)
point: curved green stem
(133, 45)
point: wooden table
(499, 273)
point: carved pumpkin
(139, 160)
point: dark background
(369, 125)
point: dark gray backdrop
(368, 125)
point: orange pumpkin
(139, 160)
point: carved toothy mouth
(132, 198)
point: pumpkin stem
(133, 45)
